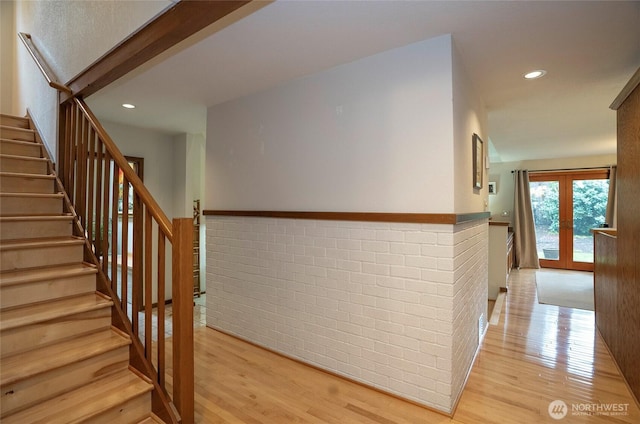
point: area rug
(568, 288)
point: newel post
(182, 294)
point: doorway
(566, 206)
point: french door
(566, 206)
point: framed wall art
(478, 161)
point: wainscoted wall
(392, 305)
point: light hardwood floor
(535, 355)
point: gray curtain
(612, 201)
(526, 254)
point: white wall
(188, 182)
(181, 193)
(188, 185)
(501, 174)
(371, 135)
(395, 306)
(8, 61)
(469, 117)
(71, 35)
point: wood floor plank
(535, 354)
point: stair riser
(14, 121)
(35, 229)
(40, 256)
(17, 134)
(20, 149)
(39, 291)
(12, 184)
(10, 205)
(29, 337)
(25, 166)
(37, 389)
(132, 411)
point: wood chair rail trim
(410, 218)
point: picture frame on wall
(478, 161)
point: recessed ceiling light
(535, 74)
(128, 106)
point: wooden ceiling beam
(177, 23)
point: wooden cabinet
(617, 269)
(500, 256)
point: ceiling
(589, 50)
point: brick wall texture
(394, 306)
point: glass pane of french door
(545, 202)
(589, 209)
(566, 207)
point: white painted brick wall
(394, 306)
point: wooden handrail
(42, 64)
(132, 177)
(97, 180)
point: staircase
(61, 360)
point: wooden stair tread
(6, 156)
(10, 140)
(27, 364)
(54, 323)
(25, 175)
(13, 121)
(34, 243)
(81, 404)
(4, 126)
(33, 195)
(45, 311)
(17, 129)
(23, 276)
(23, 218)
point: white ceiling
(589, 49)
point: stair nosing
(34, 195)
(11, 140)
(31, 130)
(6, 174)
(99, 302)
(112, 341)
(18, 218)
(21, 157)
(23, 244)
